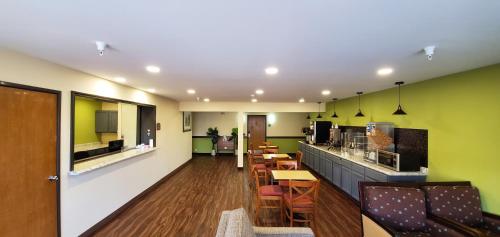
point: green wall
(202, 145)
(287, 145)
(462, 114)
(85, 120)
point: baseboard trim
(130, 203)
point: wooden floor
(191, 201)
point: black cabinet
(106, 121)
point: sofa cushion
(459, 203)
(238, 224)
(403, 209)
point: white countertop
(87, 166)
(359, 160)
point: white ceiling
(221, 47)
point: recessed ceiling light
(252, 95)
(272, 70)
(325, 92)
(120, 79)
(153, 69)
(259, 92)
(302, 100)
(385, 71)
(152, 90)
(206, 100)
(191, 91)
(254, 100)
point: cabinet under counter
(345, 171)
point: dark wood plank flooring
(191, 201)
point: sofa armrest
(469, 231)
(371, 227)
(221, 228)
(283, 231)
(491, 222)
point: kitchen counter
(346, 170)
(90, 165)
(360, 161)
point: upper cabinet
(106, 121)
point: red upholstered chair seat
(270, 190)
(304, 202)
(260, 166)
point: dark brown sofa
(405, 209)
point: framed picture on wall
(186, 121)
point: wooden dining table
(293, 175)
(276, 156)
(268, 147)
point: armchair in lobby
(458, 204)
(397, 209)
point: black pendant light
(400, 110)
(334, 113)
(359, 114)
(319, 109)
(308, 116)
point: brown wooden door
(256, 128)
(28, 156)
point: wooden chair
(298, 157)
(287, 165)
(301, 199)
(257, 153)
(271, 151)
(260, 169)
(267, 193)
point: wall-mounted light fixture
(334, 113)
(400, 110)
(359, 114)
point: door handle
(53, 178)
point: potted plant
(234, 136)
(213, 133)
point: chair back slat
(304, 189)
(271, 151)
(298, 157)
(286, 164)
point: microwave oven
(394, 161)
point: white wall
(88, 198)
(128, 124)
(224, 122)
(285, 124)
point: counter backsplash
(409, 142)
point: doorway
(256, 129)
(29, 161)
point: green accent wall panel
(287, 145)
(85, 120)
(462, 114)
(202, 145)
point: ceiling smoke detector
(429, 51)
(101, 46)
